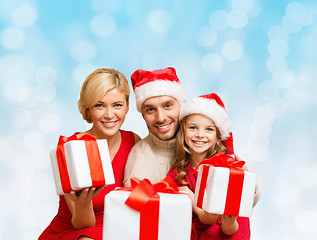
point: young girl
(205, 131)
(104, 102)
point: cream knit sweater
(150, 158)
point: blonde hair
(97, 84)
(183, 152)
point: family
(181, 134)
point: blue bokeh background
(260, 56)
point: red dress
(213, 231)
(61, 226)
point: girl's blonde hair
(183, 152)
(97, 84)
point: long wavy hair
(183, 152)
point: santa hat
(147, 84)
(211, 106)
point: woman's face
(108, 114)
(199, 133)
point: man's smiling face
(161, 116)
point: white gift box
(214, 198)
(77, 166)
(122, 222)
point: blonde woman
(104, 102)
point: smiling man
(158, 96)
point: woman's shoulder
(75, 136)
(130, 134)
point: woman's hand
(81, 207)
(85, 196)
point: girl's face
(200, 133)
(108, 114)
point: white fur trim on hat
(159, 88)
(210, 109)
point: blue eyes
(194, 128)
(99, 105)
(117, 105)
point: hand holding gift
(82, 163)
(224, 187)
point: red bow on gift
(144, 198)
(96, 170)
(222, 160)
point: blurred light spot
(278, 32)
(49, 123)
(46, 74)
(275, 63)
(27, 98)
(206, 37)
(287, 196)
(14, 88)
(40, 159)
(232, 50)
(45, 92)
(278, 48)
(211, 63)
(258, 148)
(237, 19)
(283, 78)
(103, 6)
(218, 20)
(103, 25)
(312, 5)
(309, 74)
(265, 113)
(290, 25)
(244, 5)
(306, 176)
(12, 38)
(83, 51)
(5, 149)
(21, 117)
(24, 16)
(256, 9)
(261, 128)
(305, 221)
(32, 141)
(81, 72)
(160, 21)
(296, 98)
(279, 105)
(268, 90)
(299, 14)
(9, 62)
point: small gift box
(147, 212)
(81, 163)
(223, 187)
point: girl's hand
(245, 167)
(228, 220)
(229, 224)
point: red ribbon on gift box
(144, 198)
(235, 184)
(94, 160)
